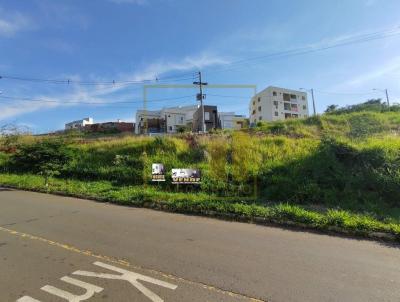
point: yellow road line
(123, 263)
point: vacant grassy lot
(336, 170)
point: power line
(230, 96)
(122, 83)
(183, 76)
(311, 49)
(344, 93)
(24, 99)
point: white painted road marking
(90, 290)
(131, 277)
(27, 299)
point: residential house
(210, 119)
(79, 124)
(166, 120)
(240, 122)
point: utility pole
(387, 97)
(313, 101)
(201, 97)
(386, 93)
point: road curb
(287, 224)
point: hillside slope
(349, 161)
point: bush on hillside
(375, 105)
(34, 157)
(338, 173)
(48, 158)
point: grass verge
(337, 221)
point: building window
(303, 98)
(274, 93)
(254, 112)
(304, 107)
(259, 99)
(260, 118)
(276, 113)
(295, 115)
(293, 97)
(288, 115)
(207, 116)
(254, 102)
(276, 104)
(287, 106)
(259, 108)
(294, 107)
(170, 128)
(286, 97)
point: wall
(272, 102)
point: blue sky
(134, 40)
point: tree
(182, 129)
(47, 158)
(331, 108)
(374, 105)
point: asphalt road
(65, 249)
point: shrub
(46, 157)
(366, 124)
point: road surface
(66, 249)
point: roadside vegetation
(339, 171)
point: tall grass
(347, 161)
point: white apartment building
(79, 124)
(274, 103)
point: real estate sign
(157, 172)
(186, 176)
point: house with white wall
(226, 120)
(79, 124)
(166, 120)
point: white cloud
(102, 93)
(19, 108)
(188, 63)
(13, 22)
